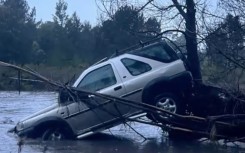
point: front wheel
(54, 134)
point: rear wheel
(168, 102)
(172, 103)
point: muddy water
(120, 139)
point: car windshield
(159, 52)
(98, 79)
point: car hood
(45, 110)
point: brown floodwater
(120, 139)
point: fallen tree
(223, 126)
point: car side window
(135, 67)
(159, 52)
(98, 79)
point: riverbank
(10, 77)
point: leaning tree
(193, 20)
(176, 16)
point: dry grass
(58, 74)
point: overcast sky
(86, 9)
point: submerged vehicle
(150, 73)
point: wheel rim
(167, 104)
(56, 135)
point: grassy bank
(231, 80)
(9, 77)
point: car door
(135, 74)
(141, 66)
(102, 78)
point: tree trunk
(191, 41)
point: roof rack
(100, 61)
(140, 44)
(120, 52)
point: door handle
(118, 88)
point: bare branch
(179, 8)
(172, 30)
(164, 8)
(145, 5)
(230, 59)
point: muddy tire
(54, 134)
(169, 102)
(174, 104)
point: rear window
(135, 67)
(159, 52)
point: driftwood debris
(225, 126)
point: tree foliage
(17, 31)
(225, 42)
(124, 29)
(225, 52)
(66, 40)
(178, 16)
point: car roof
(132, 49)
